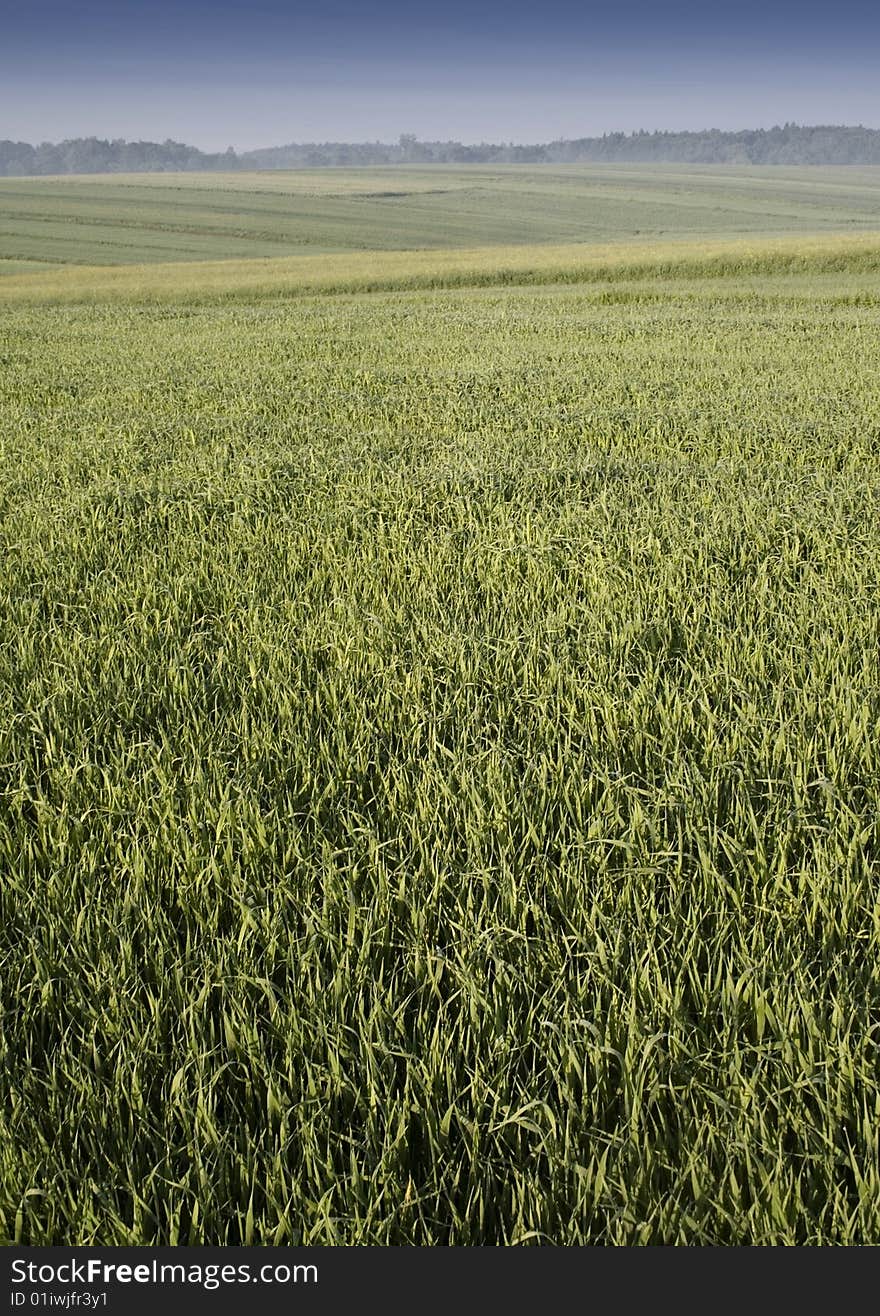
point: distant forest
(790, 144)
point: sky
(225, 73)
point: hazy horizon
(392, 138)
(214, 75)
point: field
(118, 219)
(440, 743)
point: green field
(118, 219)
(440, 741)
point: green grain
(439, 760)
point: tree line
(787, 144)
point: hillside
(136, 219)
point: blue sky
(224, 73)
